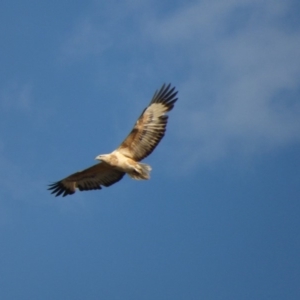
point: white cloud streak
(17, 97)
(255, 60)
(85, 40)
(237, 64)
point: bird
(146, 134)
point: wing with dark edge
(89, 179)
(150, 126)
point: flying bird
(147, 132)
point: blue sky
(219, 218)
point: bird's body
(141, 141)
(120, 162)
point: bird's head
(102, 157)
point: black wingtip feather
(58, 188)
(165, 95)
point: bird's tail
(141, 171)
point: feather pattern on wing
(89, 179)
(150, 126)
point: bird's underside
(141, 141)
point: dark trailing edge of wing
(58, 188)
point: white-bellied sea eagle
(141, 141)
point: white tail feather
(141, 171)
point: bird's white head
(102, 157)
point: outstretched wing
(150, 126)
(88, 179)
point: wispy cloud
(86, 39)
(21, 120)
(14, 181)
(17, 96)
(243, 86)
(236, 63)
(105, 26)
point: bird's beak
(98, 157)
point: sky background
(219, 218)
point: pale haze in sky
(219, 218)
